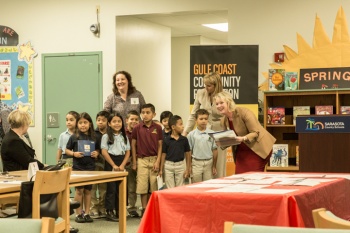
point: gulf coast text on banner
(230, 81)
(236, 64)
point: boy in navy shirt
(175, 149)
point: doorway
(71, 81)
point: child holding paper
(204, 149)
(83, 161)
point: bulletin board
(16, 78)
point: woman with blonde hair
(254, 151)
(16, 150)
(204, 100)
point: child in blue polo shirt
(204, 149)
(175, 149)
(116, 151)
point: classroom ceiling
(190, 23)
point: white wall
(144, 50)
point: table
(78, 178)
(205, 209)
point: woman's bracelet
(73, 154)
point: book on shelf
(300, 110)
(86, 146)
(276, 79)
(224, 138)
(324, 109)
(279, 156)
(291, 81)
(276, 115)
(345, 110)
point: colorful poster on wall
(16, 73)
(237, 65)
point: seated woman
(16, 151)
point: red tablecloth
(185, 209)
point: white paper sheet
(11, 182)
(345, 176)
(264, 181)
(273, 191)
(222, 181)
(238, 188)
(206, 185)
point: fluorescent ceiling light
(218, 26)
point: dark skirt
(248, 161)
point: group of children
(111, 153)
(135, 145)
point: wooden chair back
(50, 182)
(230, 227)
(326, 219)
(15, 225)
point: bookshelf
(288, 99)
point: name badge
(135, 101)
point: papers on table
(345, 176)
(238, 188)
(272, 191)
(7, 182)
(257, 182)
(225, 138)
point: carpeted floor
(103, 226)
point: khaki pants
(174, 173)
(146, 177)
(201, 170)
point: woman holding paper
(254, 150)
(16, 151)
(204, 100)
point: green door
(70, 82)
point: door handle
(50, 138)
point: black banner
(237, 65)
(8, 37)
(324, 78)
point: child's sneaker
(102, 214)
(112, 217)
(94, 215)
(134, 214)
(88, 218)
(79, 218)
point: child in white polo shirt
(204, 149)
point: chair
(326, 219)
(50, 182)
(10, 199)
(44, 225)
(230, 227)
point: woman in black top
(16, 151)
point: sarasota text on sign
(230, 80)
